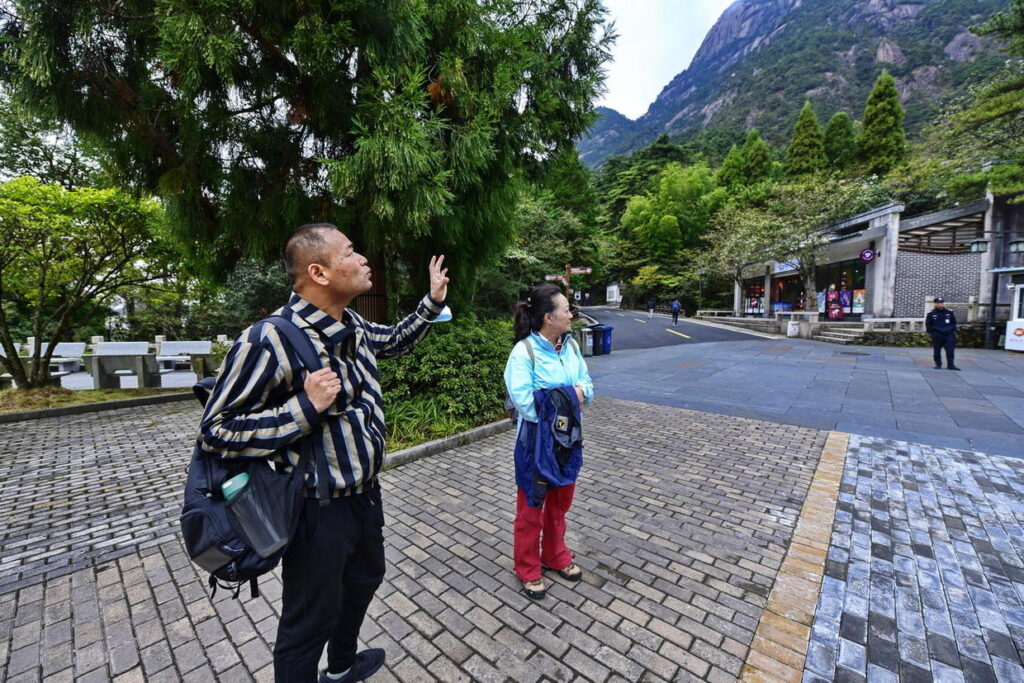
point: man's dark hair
(306, 245)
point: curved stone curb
(94, 407)
(423, 450)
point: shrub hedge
(450, 382)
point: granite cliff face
(763, 58)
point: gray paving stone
(938, 506)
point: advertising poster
(846, 300)
(859, 297)
(821, 300)
(835, 309)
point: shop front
(841, 289)
(753, 296)
(787, 293)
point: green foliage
(621, 178)
(187, 307)
(31, 146)
(452, 381)
(757, 158)
(406, 123)
(840, 143)
(806, 151)
(882, 144)
(733, 171)
(995, 119)
(65, 252)
(569, 185)
(675, 214)
(546, 238)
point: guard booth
(1014, 340)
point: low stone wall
(968, 337)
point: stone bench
(194, 355)
(67, 356)
(110, 360)
(59, 367)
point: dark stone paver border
(83, 408)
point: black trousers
(330, 572)
(675, 317)
(944, 340)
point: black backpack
(240, 539)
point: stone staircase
(839, 333)
(766, 325)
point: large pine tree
(840, 142)
(757, 157)
(806, 152)
(883, 143)
(404, 122)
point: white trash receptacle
(793, 328)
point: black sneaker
(366, 664)
(953, 367)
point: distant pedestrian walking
(676, 306)
(940, 323)
(548, 383)
(651, 303)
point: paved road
(634, 331)
(886, 392)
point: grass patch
(20, 400)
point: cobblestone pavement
(680, 529)
(686, 524)
(925, 570)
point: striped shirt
(258, 407)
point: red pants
(539, 534)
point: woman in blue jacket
(543, 321)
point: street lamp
(979, 246)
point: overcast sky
(657, 40)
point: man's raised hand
(322, 388)
(438, 279)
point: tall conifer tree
(733, 170)
(883, 143)
(806, 153)
(757, 156)
(840, 143)
(407, 123)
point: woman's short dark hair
(528, 316)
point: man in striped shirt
(264, 403)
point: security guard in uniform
(940, 323)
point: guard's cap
(938, 300)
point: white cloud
(657, 40)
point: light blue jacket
(550, 370)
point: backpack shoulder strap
(572, 342)
(310, 359)
(525, 341)
(298, 340)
